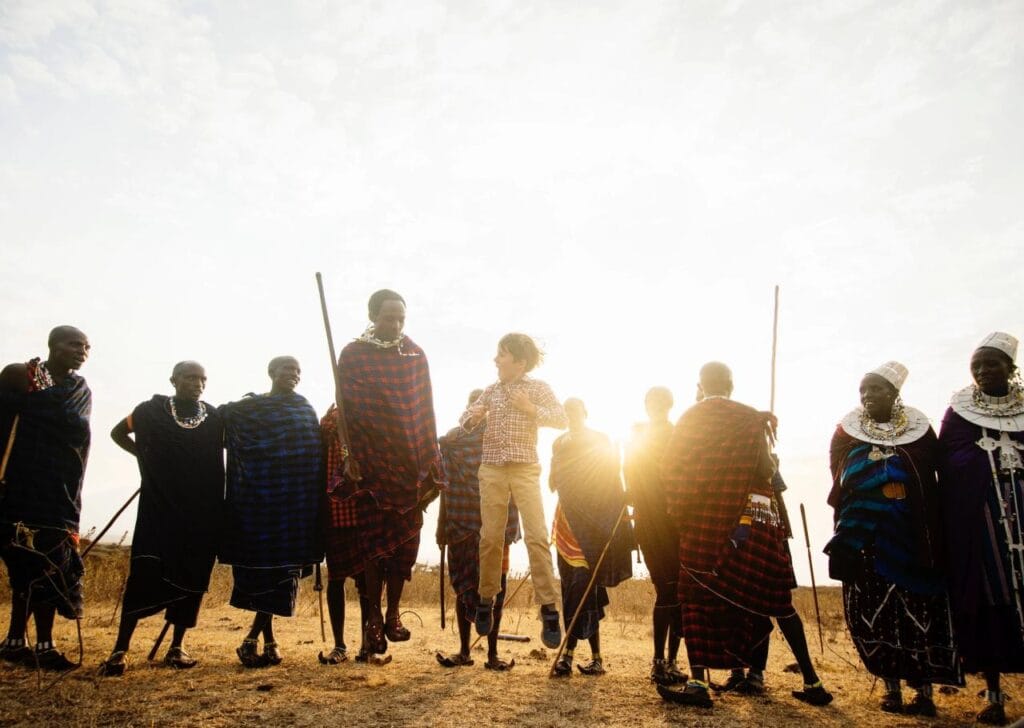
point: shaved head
(715, 379)
(63, 333)
(278, 361)
(183, 365)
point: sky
(626, 181)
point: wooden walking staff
(350, 467)
(775, 342)
(8, 448)
(159, 640)
(110, 523)
(803, 513)
(814, 587)
(586, 592)
(442, 518)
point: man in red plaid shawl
(374, 523)
(735, 571)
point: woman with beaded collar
(887, 547)
(980, 475)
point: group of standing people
(928, 538)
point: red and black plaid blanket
(728, 588)
(389, 411)
(712, 463)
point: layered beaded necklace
(371, 338)
(1010, 404)
(898, 423)
(41, 378)
(188, 423)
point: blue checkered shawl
(274, 476)
(462, 452)
(43, 483)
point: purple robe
(985, 612)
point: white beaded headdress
(1002, 342)
(893, 372)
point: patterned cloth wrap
(985, 608)
(884, 552)
(892, 527)
(389, 415)
(729, 585)
(389, 412)
(274, 481)
(585, 474)
(460, 529)
(42, 489)
(180, 515)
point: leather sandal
(248, 654)
(115, 665)
(53, 660)
(562, 668)
(272, 653)
(364, 656)
(677, 676)
(892, 703)
(395, 631)
(335, 657)
(18, 655)
(498, 665)
(815, 695)
(374, 639)
(178, 659)
(751, 685)
(992, 714)
(693, 695)
(594, 667)
(455, 660)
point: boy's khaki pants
(521, 481)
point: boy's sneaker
(485, 617)
(551, 630)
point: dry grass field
(413, 690)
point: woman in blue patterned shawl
(274, 476)
(887, 544)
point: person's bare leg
(125, 630)
(336, 611)
(396, 631)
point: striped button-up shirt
(510, 435)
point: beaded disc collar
(883, 432)
(1005, 414)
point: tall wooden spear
(8, 448)
(442, 518)
(775, 342)
(349, 466)
(814, 587)
(803, 513)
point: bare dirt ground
(414, 690)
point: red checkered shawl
(389, 411)
(714, 460)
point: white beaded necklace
(188, 423)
